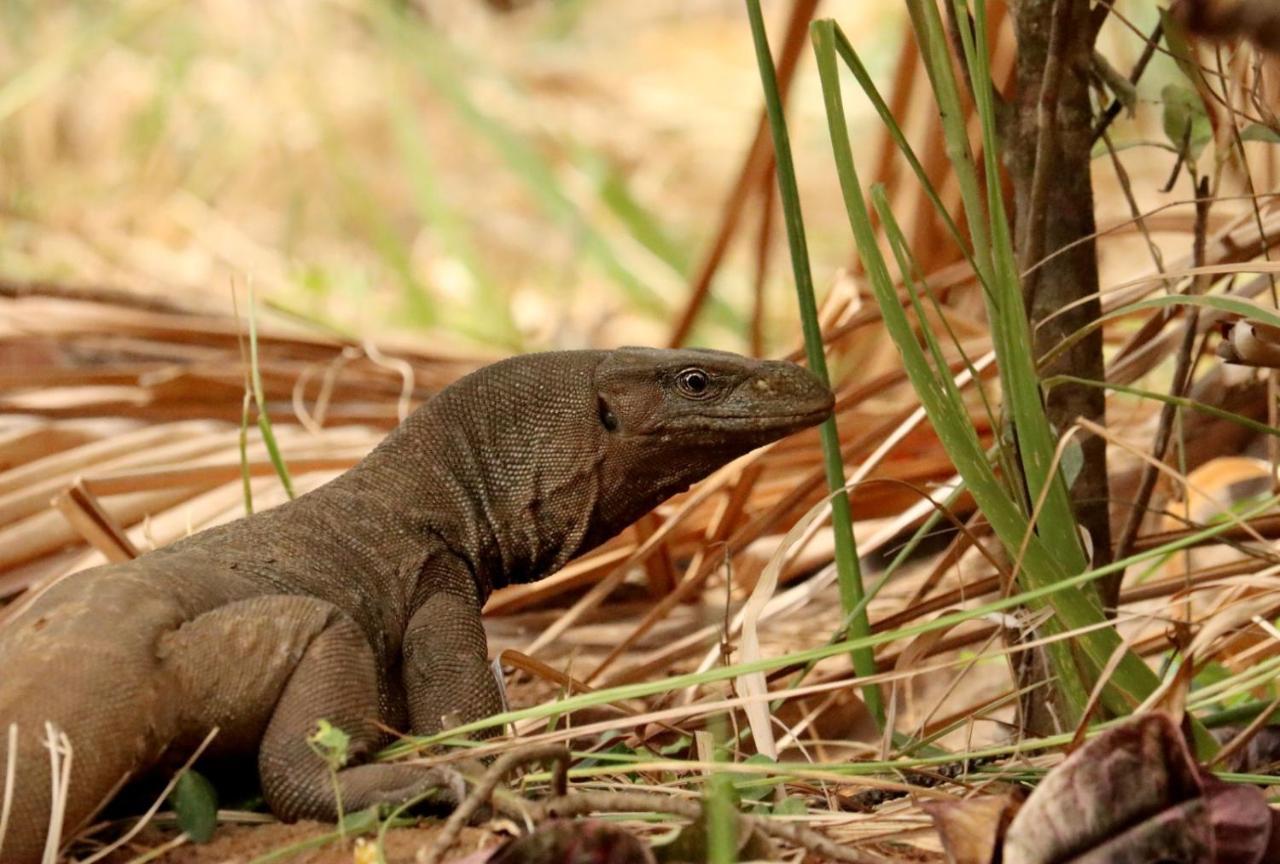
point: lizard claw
(449, 783)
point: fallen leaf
(1136, 794)
(972, 829)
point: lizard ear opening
(607, 418)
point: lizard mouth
(791, 421)
(809, 410)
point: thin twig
(1148, 51)
(1126, 186)
(1147, 480)
(505, 764)
(583, 803)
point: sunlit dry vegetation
(399, 192)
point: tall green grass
(446, 70)
(1032, 516)
(1051, 572)
(848, 571)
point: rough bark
(1054, 210)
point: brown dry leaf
(1135, 793)
(973, 829)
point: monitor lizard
(359, 602)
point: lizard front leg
(270, 667)
(445, 668)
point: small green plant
(331, 744)
(721, 806)
(195, 803)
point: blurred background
(505, 175)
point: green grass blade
(1216, 302)
(1178, 401)
(848, 571)
(243, 440)
(1040, 566)
(264, 421)
(721, 809)
(1036, 440)
(849, 55)
(936, 55)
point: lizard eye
(607, 418)
(694, 383)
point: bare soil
(240, 844)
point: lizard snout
(788, 389)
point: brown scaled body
(359, 603)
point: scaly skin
(360, 602)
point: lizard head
(699, 402)
(668, 418)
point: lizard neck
(503, 468)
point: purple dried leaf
(1136, 794)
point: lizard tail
(79, 694)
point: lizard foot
(363, 786)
